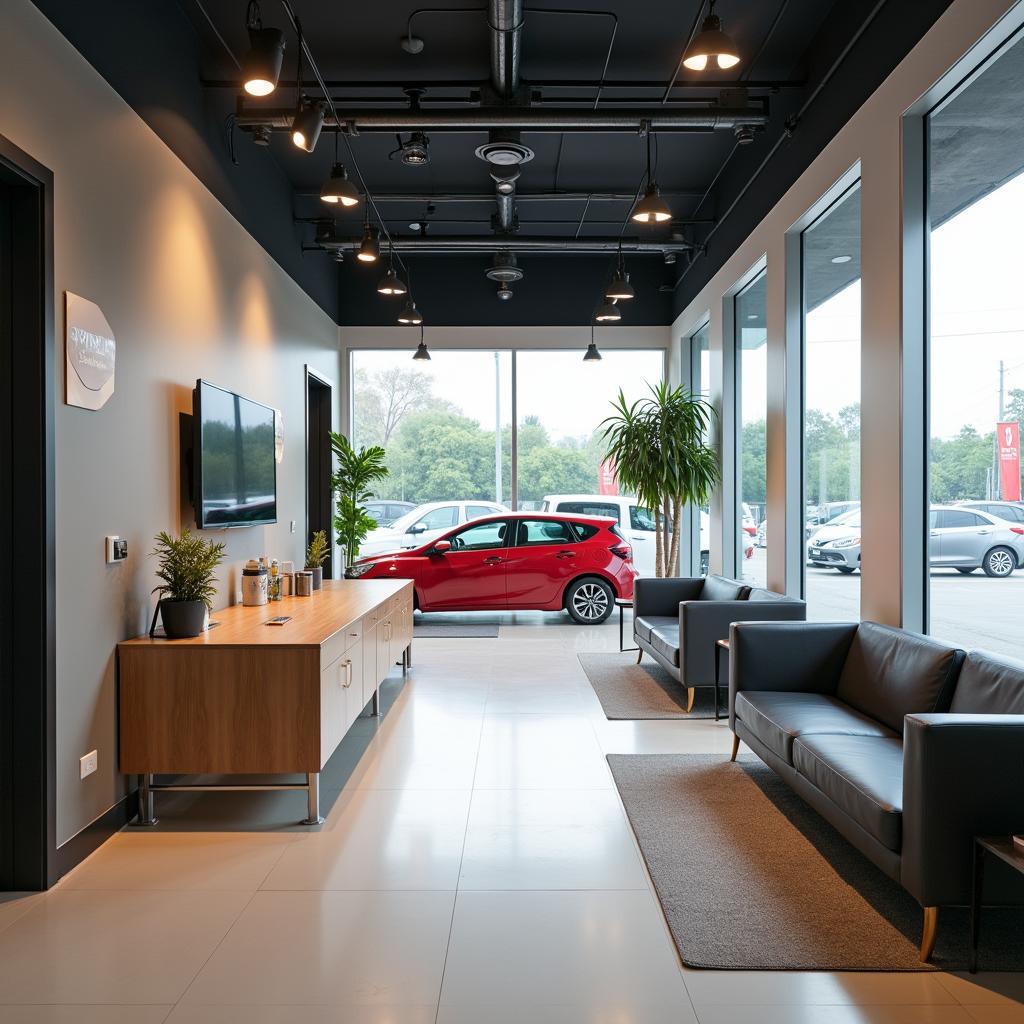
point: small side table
(622, 603)
(720, 645)
(1006, 850)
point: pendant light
(620, 290)
(592, 355)
(421, 349)
(261, 67)
(411, 316)
(712, 46)
(391, 283)
(652, 209)
(307, 123)
(608, 313)
(369, 247)
(338, 188)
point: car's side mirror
(417, 528)
(442, 546)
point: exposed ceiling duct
(327, 239)
(505, 21)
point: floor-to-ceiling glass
(975, 529)
(751, 339)
(700, 383)
(830, 250)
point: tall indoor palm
(352, 481)
(660, 449)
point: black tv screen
(235, 470)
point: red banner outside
(607, 481)
(1008, 446)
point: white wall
(872, 138)
(188, 294)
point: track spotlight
(711, 45)
(504, 293)
(415, 150)
(369, 247)
(410, 315)
(338, 188)
(261, 67)
(306, 125)
(620, 289)
(421, 349)
(592, 355)
(608, 313)
(652, 209)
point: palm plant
(661, 453)
(186, 567)
(352, 482)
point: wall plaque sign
(90, 354)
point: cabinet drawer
(335, 646)
(335, 716)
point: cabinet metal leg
(313, 799)
(146, 816)
(408, 656)
(976, 894)
(375, 706)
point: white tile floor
(475, 866)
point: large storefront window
(831, 331)
(700, 381)
(975, 528)
(751, 337)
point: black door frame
(319, 507)
(28, 691)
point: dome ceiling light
(712, 46)
(652, 209)
(608, 313)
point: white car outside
(425, 523)
(635, 522)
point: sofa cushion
(989, 684)
(862, 776)
(718, 588)
(890, 673)
(665, 640)
(777, 719)
(645, 624)
(760, 594)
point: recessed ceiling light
(841, 259)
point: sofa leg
(735, 746)
(691, 696)
(639, 655)
(931, 927)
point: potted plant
(661, 452)
(316, 555)
(186, 567)
(352, 481)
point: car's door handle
(984, 533)
(493, 560)
(635, 539)
(566, 554)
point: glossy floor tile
(84, 1014)
(187, 1013)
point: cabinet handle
(348, 674)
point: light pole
(497, 427)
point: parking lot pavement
(970, 611)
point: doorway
(27, 648)
(319, 400)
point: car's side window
(954, 518)
(543, 531)
(478, 511)
(480, 537)
(590, 508)
(584, 531)
(440, 518)
(640, 518)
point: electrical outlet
(87, 764)
(116, 549)
(293, 526)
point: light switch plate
(88, 764)
(116, 549)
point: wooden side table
(622, 603)
(720, 645)
(1006, 850)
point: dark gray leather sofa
(677, 621)
(904, 744)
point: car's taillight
(622, 550)
(1017, 529)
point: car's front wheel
(846, 569)
(589, 601)
(999, 562)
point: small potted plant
(316, 555)
(186, 566)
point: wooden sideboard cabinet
(249, 698)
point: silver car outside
(966, 539)
(837, 545)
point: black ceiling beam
(488, 197)
(536, 245)
(559, 83)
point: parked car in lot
(1011, 511)
(960, 538)
(386, 512)
(520, 560)
(634, 520)
(425, 523)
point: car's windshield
(851, 518)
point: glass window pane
(544, 531)
(478, 538)
(832, 350)
(976, 359)
(752, 400)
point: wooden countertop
(314, 619)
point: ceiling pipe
(505, 20)
(533, 245)
(710, 117)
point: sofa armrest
(662, 596)
(703, 623)
(800, 657)
(963, 776)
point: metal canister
(254, 583)
(287, 584)
(303, 584)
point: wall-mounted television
(234, 468)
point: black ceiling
(173, 62)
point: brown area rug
(750, 877)
(628, 691)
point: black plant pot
(183, 618)
(318, 576)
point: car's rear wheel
(999, 562)
(589, 601)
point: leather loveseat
(677, 621)
(906, 745)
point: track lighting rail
(516, 244)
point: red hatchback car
(522, 560)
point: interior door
(472, 573)
(545, 556)
(318, 463)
